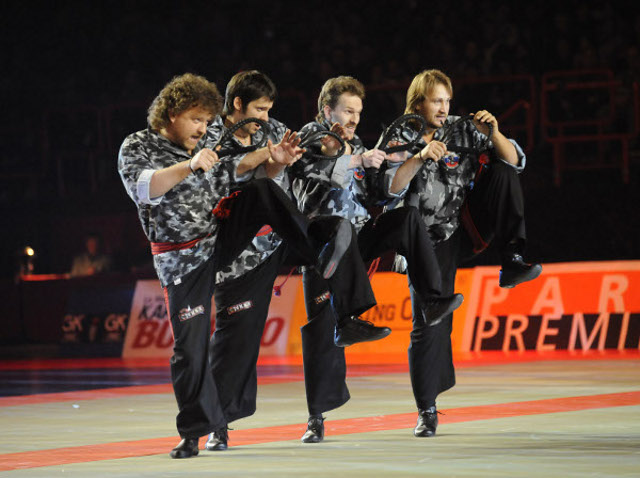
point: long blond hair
(422, 84)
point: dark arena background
(548, 374)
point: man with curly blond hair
(189, 243)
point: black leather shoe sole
(341, 340)
(315, 431)
(510, 279)
(185, 449)
(426, 433)
(311, 437)
(216, 446)
(437, 311)
(217, 441)
(334, 250)
(426, 426)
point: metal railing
(581, 107)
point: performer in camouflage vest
(481, 192)
(190, 244)
(336, 187)
(244, 288)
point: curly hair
(422, 84)
(180, 94)
(333, 88)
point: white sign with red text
(149, 333)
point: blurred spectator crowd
(67, 61)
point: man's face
(92, 246)
(255, 109)
(435, 107)
(187, 128)
(347, 113)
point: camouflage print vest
(263, 245)
(439, 188)
(328, 187)
(182, 214)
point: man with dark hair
(251, 94)
(190, 244)
(486, 197)
(335, 187)
(244, 288)
(247, 86)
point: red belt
(160, 247)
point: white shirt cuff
(143, 185)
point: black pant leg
(325, 367)
(430, 353)
(262, 202)
(242, 307)
(402, 230)
(189, 309)
(351, 292)
(496, 204)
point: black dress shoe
(352, 330)
(315, 430)
(187, 448)
(427, 422)
(437, 308)
(333, 250)
(218, 440)
(516, 271)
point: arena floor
(553, 414)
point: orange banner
(570, 306)
(393, 310)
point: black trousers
(189, 302)
(325, 368)
(259, 203)
(401, 230)
(497, 208)
(241, 312)
(189, 309)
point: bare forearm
(165, 179)
(273, 168)
(327, 151)
(252, 160)
(356, 161)
(504, 149)
(405, 174)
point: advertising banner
(572, 306)
(96, 319)
(149, 333)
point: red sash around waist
(160, 247)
